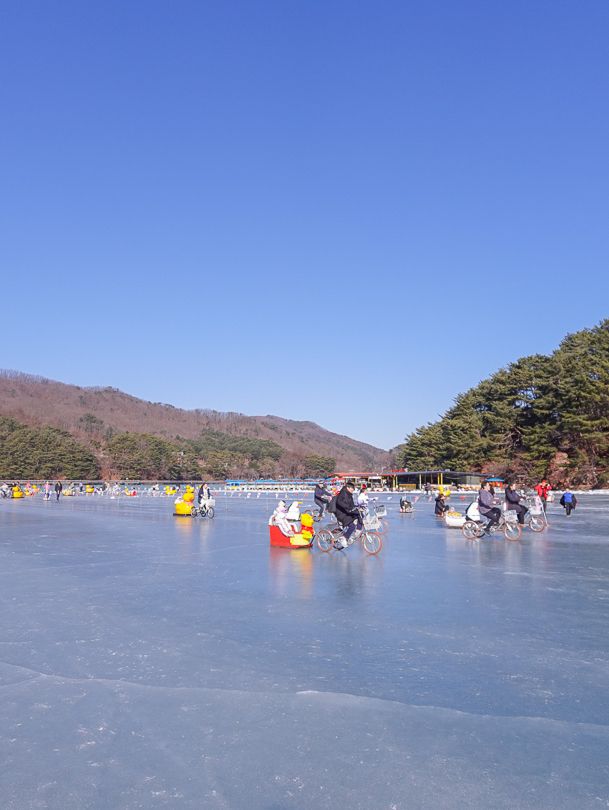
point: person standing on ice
(568, 501)
(58, 489)
(47, 491)
(441, 506)
(542, 490)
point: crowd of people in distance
(348, 510)
(7, 490)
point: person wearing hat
(347, 514)
(362, 498)
(322, 497)
(441, 507)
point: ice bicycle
(331, 537)
(205, 509)
(474, 526)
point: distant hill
(229, 443)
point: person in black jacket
(441, 505)
(322, 497)
(346, 513)
(58, 489)
(512, 502)
(405, 504)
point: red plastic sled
(279, 539)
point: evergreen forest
(540, 416)
(43, 452)
(46, 452)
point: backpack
(331, 507)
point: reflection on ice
(152, 661)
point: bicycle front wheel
(470, 530)
(512, 531)
(372, 542)
(210, 512)
(325, 540)
(537, 523)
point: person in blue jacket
(568, 501)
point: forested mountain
(542, 415)
(116, 435)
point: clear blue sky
(243, 205)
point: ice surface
(148, 661)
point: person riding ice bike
(204, 493)
(322, 497)
(362, 498)
(512, 503)
(486, 506)
(347, 514)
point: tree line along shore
(542, 416)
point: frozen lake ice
(148, 661)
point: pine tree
(523, 417)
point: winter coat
(345, 507)
(321, 494)
(485, 502)
(512, 499)
(441, 506)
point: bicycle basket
(371, 522)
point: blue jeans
(356, 524)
